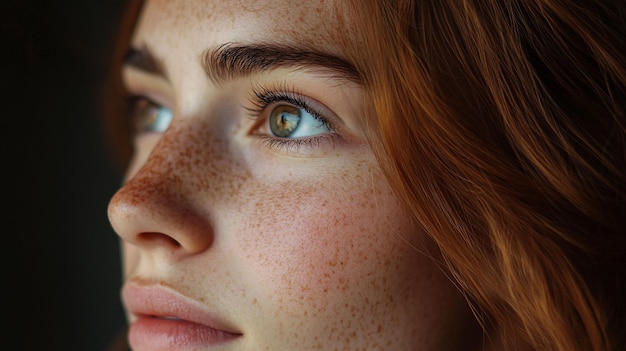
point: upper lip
(158, 300)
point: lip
(164, 319)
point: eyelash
(262, 97)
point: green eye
(284, 120)
(288, 121)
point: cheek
(321, 224)
(325, 257)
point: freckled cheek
(319, 240)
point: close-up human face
(254, 215)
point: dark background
(61, 270)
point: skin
(300, 247)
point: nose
(158, 209)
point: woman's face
(258, 218)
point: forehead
(205, 23)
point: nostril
(157, 239)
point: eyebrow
(142, 59)
(230, 61)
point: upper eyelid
(296, 98)
(153, 95)
(160, 93)
(147, 81)
(136, 82)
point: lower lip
(152, 333)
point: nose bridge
(171, 197)
(179, 161)
(177, 170)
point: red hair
(501, 126)
(114, 107)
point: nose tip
(150, 212)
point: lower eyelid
(300, 145)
